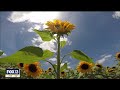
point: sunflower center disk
(32, 68)
(85, 66)
(21, 64)
(119, 56)
(99, 66)
(62, 72)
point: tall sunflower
(60, 27)
(33, 70)
(84, 67)
(117, 55)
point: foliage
(28, 54)
(1, 53)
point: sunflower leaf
(1, 53)
(46, 54)
(28, 54)
(45, 35)
(62, 44)
(79, 55)
(64, 67)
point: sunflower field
(28, 59)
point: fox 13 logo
(12, 73)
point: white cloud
(30, 29)
(38, 18)
(104, 58)
(48, 45)
(116, 15)
(53, 59)
(45, 45)
(37, 41)
(36, 26)
(35, 17)
(18, 16)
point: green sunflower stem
(58, 57)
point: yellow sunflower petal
(61, 27)
(57, 22)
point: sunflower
(33, 70)
(113, 67)
(21, 65)
(110, 70)
(99, 65)
(49, 69)
(60, 27)
(63, 74)
(45, 72)
(117, 55)
(84, 67)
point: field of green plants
(97, 72)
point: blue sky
(97, 33)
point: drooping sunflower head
(84, 67)
(117, 55)
(33, 70)
(60, 27)
(21, 65)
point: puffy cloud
(104, 58)
(35, 17)
(48, 45)
(53, 59)
(45, 45)
(116, 15)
